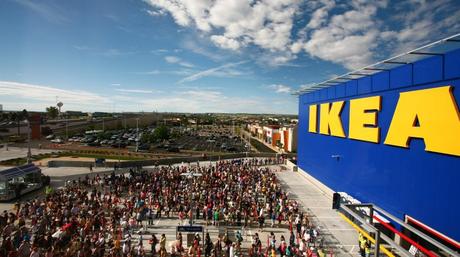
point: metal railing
(366, 219)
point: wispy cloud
(177, 60)
(279, 88)
(48, 94)
(49, 12)
(110, 52)
(201, 101)
(198, 49)
(139, 91)
(81, 47)
(209, 72)
(113, 52)
(209, 99)
(180, 72)
(158, 12)
(159, 51)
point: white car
(57, 141)
(49, 137)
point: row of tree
(16, 117)
(160, 133)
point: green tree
(25, 114)
(161, 133)
(52, 112)
(18, 117)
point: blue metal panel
(316, 95)
(403, 181)
(452, 65)
(381, 81)
(364, 85)
(401, 76)
(309, 97)
(352, 88)
(331, 92)
(323, 94)
(428, 70)
(340, 90)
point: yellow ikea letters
(330, 123)
(363, 123)
(428, 114)
(431, 114)
(312, 120)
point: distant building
(35, 120)
(74, 114)
(101, 114)
(288, 137)
(281, 137)
(1, 107)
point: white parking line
(352, 248)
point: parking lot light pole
(67, 128)
(137, 134)
(29, 154)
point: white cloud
(139, 91)
(348, 38)
(352, 33)
(179, 72)
(236, 24)
(199, 49)
(158, 12)
(50, 12)
(159, 51)
(225, 42)
(208, 72)
(279, 88)
(197, 100)
(185, 99)
(425, 22)
(175, 59)
(319, 16)
(46, 95)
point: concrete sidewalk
(338, 234)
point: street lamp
(29, 154)
(67, 128)
(137, 134)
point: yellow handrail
(365, 234)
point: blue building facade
(412, 181)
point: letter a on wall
(430, 114)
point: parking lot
(211, 143)
(204, 139)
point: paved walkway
(318, 206)
(19, 152)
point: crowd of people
(99, 216)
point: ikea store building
(389, 135)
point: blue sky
(199, 56)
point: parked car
(57, 141)
(144, 147)
(49, 137)
(173, 149)
(118, 144)
(95, 143)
